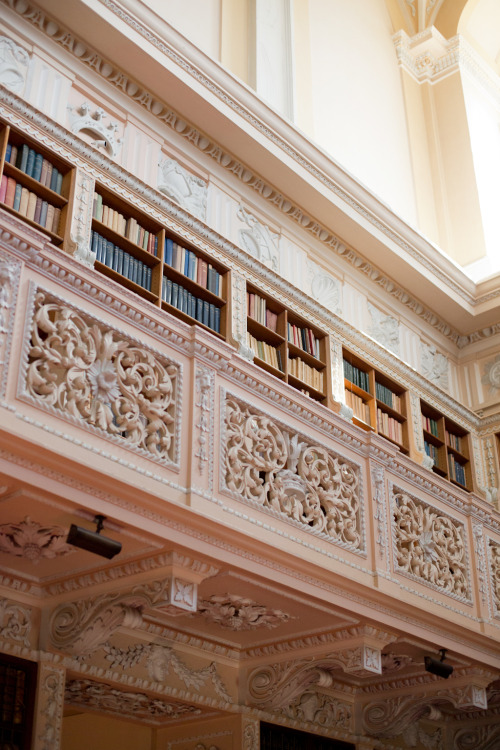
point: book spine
(3, 188)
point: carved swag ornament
(429, 545)
(268, 466)
(92, 373)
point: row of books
(389, 426)
(430, 425)
(266, 352)
(29, 204)
(258, 310)
(309, 375)
(388, 397)
(304, 339)
(356, 376)
(360, 408)
(34, 165)
(456, 470)
(191, 265)
(127, 227)
(432, 451)
(455, 441)
(120, 261)
(201, 310)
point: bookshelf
(35, 184)
(287, 346)
(448, 445)
(136, 251)
(378, 403)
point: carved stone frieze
(15, 622)
(33, 541)
(250, 733)
(14, 61)
(82, 218)
(481, 737)
(429, 545)
(491, 376)
(384, 329)
(102, 697)
(238, 613)
(205, 385)
(434, 366)
(49, 710)
(184, 188)
(10, 271)
(324, 288)
(271, 467)
(83, 120)
(91, 373)
(380, 499)
(322, 710)
(258, 240)
(494, 555)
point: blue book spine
(22, 157)
(37, 169)
(149, 275)
(135, 269)
(53, 179)
(144, 281)
(17, 197)
(217, 320)
(43, 213)
(30, 164)
(8, 152)
(175, 294)
(211, 317)
(119, 266)
(155, 248)
(126, 265)
(169, 249)
(199, 310)
(93, 242)
(168, 297)
(191, 265)
(59, 183)
(206, 313)
(109, 254)
(185, 270)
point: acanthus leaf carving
(238, 613)
(33, 541)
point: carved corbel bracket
(360, 650)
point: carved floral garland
(269, 466)
(94, 374)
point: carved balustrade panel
(80, 367)
(270, 466)
(429, 545)
(494, 549)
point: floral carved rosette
(267, 465)
(430, 546)
(94, 374)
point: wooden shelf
(447, 443)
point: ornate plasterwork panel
(83, 120)
(205, 392)
(49, 709)
(384, 329)
(434, 366)
(102, 697)
(429, 546)
(15, 622)
(81, 368)
(196, 743)
(82, 218)
(486, 737)
(238, 613)
(33, 541)
(494, 556)
(491, 375)
(184, 188)
(324, 288)
(258, 240)
(10, 271)
(275, 468)
(14, 61)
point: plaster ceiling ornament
(15, 622)
(392, 717)
(268, 466)
(395, 662)
(434, 366)
(325, 289)
(494, 554)
(491, 375)
(82, 120)
(258, 240)
(323, 710)
(14, 62)
(88, 694)
(184, 188)
(33, 541)
(238, 613)
(98, 376)
(384, 329)
(429, 546)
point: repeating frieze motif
(238, 613)
(87, 371)
(143, 707)
(33, 541)
(188, 191)
(269, 466)
(495, 574)
(15, 622)
(429, 545)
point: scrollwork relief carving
(89, 372)
(323, 710)
(268, 466)
(250, 733)
(237, 613)
(188, 191)
(494, 550)
(429, 545)
(258, 240)
(15, 622)
(50, 708)
(82, 217)
(161, 659)
(478, 738)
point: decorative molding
(321, 710)
(258, 240)
(250, 729)
(33, 541)
(380, 500)
(429, 546)
(238, 613)
(10, 273)
(161, 659)
(200, 746)
(240, 312)
(92, 374)
(49, 710)
(434, 365)
(491, 376)
(82, 218)
(81, 119)
(100, 696)
(481, 567)
(271, 467)
(481, 737)
(494, 558)
(324, 288)
(14, 62)
(181, 186)
(15, 622)
(205, 390)
(384, 329)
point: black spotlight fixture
(92, 541)
(437, 666)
